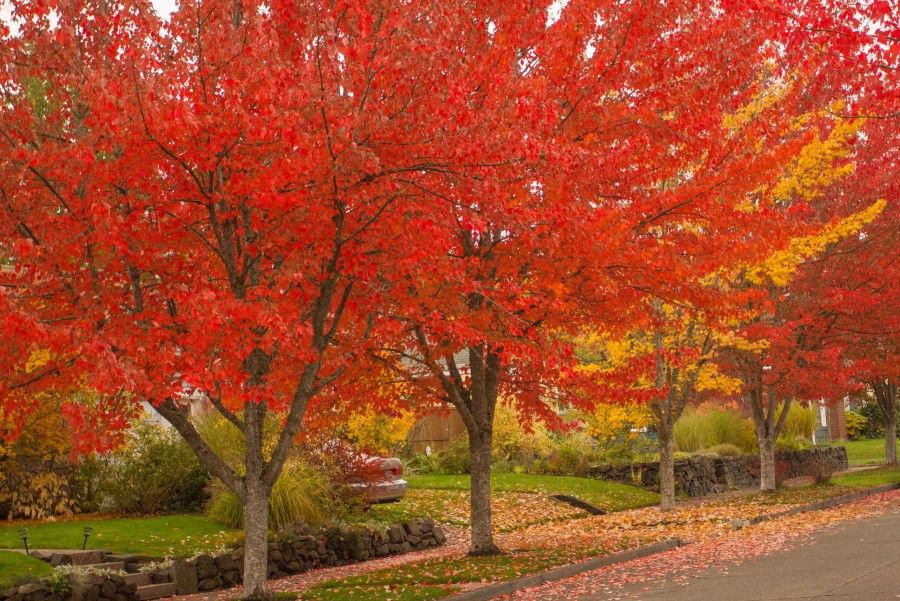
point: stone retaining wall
(327, 548)
(331, 547)
(705, 475)
(92, 587)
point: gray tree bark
(666, 467)
(768, 423)
(480, 500)
(886, 397)
(256, 547)
(890, 442)
(767, 480)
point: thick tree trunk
(890, 442)
(886, 396)
(480, 457)
(256, 506)
(767, 463)
(256, 545)
(666, 467)
(769, 423)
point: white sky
(164, 7)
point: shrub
(620, 453)
(729, 427)
(691, 432)
(786, 443)
(420, 463)
(156, 472)
(455, 459)
(516, 450)
(856, 425)
(800, 423)
(572, 454)
(874, 427)
(725, 449)
(821, 475)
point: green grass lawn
(869, 478)
(162, 536)
(15, 567)
(608, 495)
(864, 452)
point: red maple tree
(219, 202)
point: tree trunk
(256, 506)
(666, 467)
(890, 442)
(480, 457)
(256, 544)
(767, 463)
(886, 396)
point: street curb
(825, 504)
(507, 588)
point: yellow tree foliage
(35, 470)
(818, 164)
(779, 269)
(608, 423)
(379, 432)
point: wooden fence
(436, 431)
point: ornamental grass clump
(301, 492)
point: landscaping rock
(108, 589)
(226, 562)
(34, 588)
(439, 536)
(185, 577)
(91, 593)
(396, 534)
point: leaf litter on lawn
(543, 538)
(732, 547)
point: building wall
(837, 421)
(435, 431)
(831, 422)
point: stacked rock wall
(331, 547)
(705, 475)
(91, 587)
(327, 548)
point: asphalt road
(859, 561)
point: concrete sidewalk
(858, 561)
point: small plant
(58, 583)
(71, 580)
(77, 570)
(155, 566)
(637, 477)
